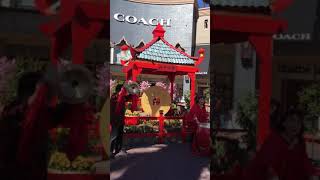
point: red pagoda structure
(161, 58)
(247, 21)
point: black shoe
(112, 156)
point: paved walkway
(172, 161)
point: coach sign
(134, 20)
(303, 21)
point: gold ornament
(155, 99)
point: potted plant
(309, 102)
(247, 117)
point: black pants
(116, 144)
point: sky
(202, 4)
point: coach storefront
(132, 23)
(296, 53)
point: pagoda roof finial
(158, 31)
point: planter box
(77, 177)
(171, 129)
(131, 121)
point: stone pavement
(170, 161)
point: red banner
(167, 68)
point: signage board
(167, 68)
(145, 21)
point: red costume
(276, 157)
(118, 108)
(201, 140)
(32, 148)
(39, 118)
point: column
(171, 77)
(263, 46)
(192, 77)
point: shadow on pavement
(159, 162)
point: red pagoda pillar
(171, 78)
(192, 77)
(263, 46)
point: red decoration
(124, 48)
(158, 31)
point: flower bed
(142, 128)
(59, 163)
(136, 125)
(173, 125)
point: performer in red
(118, 108)
(199, 121)
(283, 153)
(28, 120)
(10, 129)
(33, 115)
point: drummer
(198, 118)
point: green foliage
(173, 124)
(206, 93)
(247, 117)
(227, 154)
(117, 82)
(309, 99)
(187, 99)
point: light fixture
(246, 54)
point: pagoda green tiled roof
(241, 3)
(162, 52)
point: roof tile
(161, 52)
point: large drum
(201, 141)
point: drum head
(155, 99)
